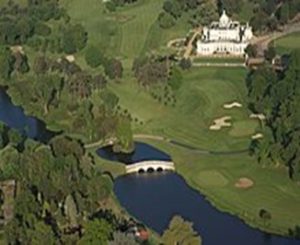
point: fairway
(212, 179)
(180, 108)
(288, 43)
(199, 101)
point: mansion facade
(224, 37)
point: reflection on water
(155, 198)
(14, 117)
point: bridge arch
(150, 166)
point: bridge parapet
(151, 165)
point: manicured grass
(243, 128)
(199, 101)
(215, 177)
(212, 178)
(135, 31)
(132, 31)
(122, 33)
(158, 38)
(288, 43)
(219, 60)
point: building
(224, 37)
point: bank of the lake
(155, 198)
(15, 117)
(216, 181)
(227, 198)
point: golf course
(82, 77)
(200, 100)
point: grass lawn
(288, 43)
(199, 101)
(122, 33)
(219, 60)
(133, 30)
(215, 177)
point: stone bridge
(150, 166)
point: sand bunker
(70, 58)
(257, 136)
(17, 49)
(232, 105)
(258, 116)
(220, 123)
(244, 183)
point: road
(189, 47)
(263, 42)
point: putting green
(243, 128)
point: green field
(199, 101)
(132, 31)
(219, 60)
(288, 43)
(215, 177)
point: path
(263, 42)
(170, 141)
(189, 47)
(211, 64)
(171, 42)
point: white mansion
(224, 37)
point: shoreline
(118, 171)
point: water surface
(14, 117)
(156, 198)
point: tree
(265, 215)
(64, 146)
(205, 13)
(124, 135)
(93, 57)
(42, 29)
(113, 68)
(231, 6)
(120, 238)
(6, 62)
(150, 71)
(42, 232)
(74, 38)
(96, 232)
(185, 64)
(110, 99)
(99, 82)
(79, 85)
(21, 63)
(176, 78)
(284, 13)
(174, 8)
(180, 232)
(40, 65)
(166, 20)
(270, 53)
(251, 50)
(14, 137)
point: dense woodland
(266, 14)
(276, 95)
(61, 196)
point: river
(155, 198)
